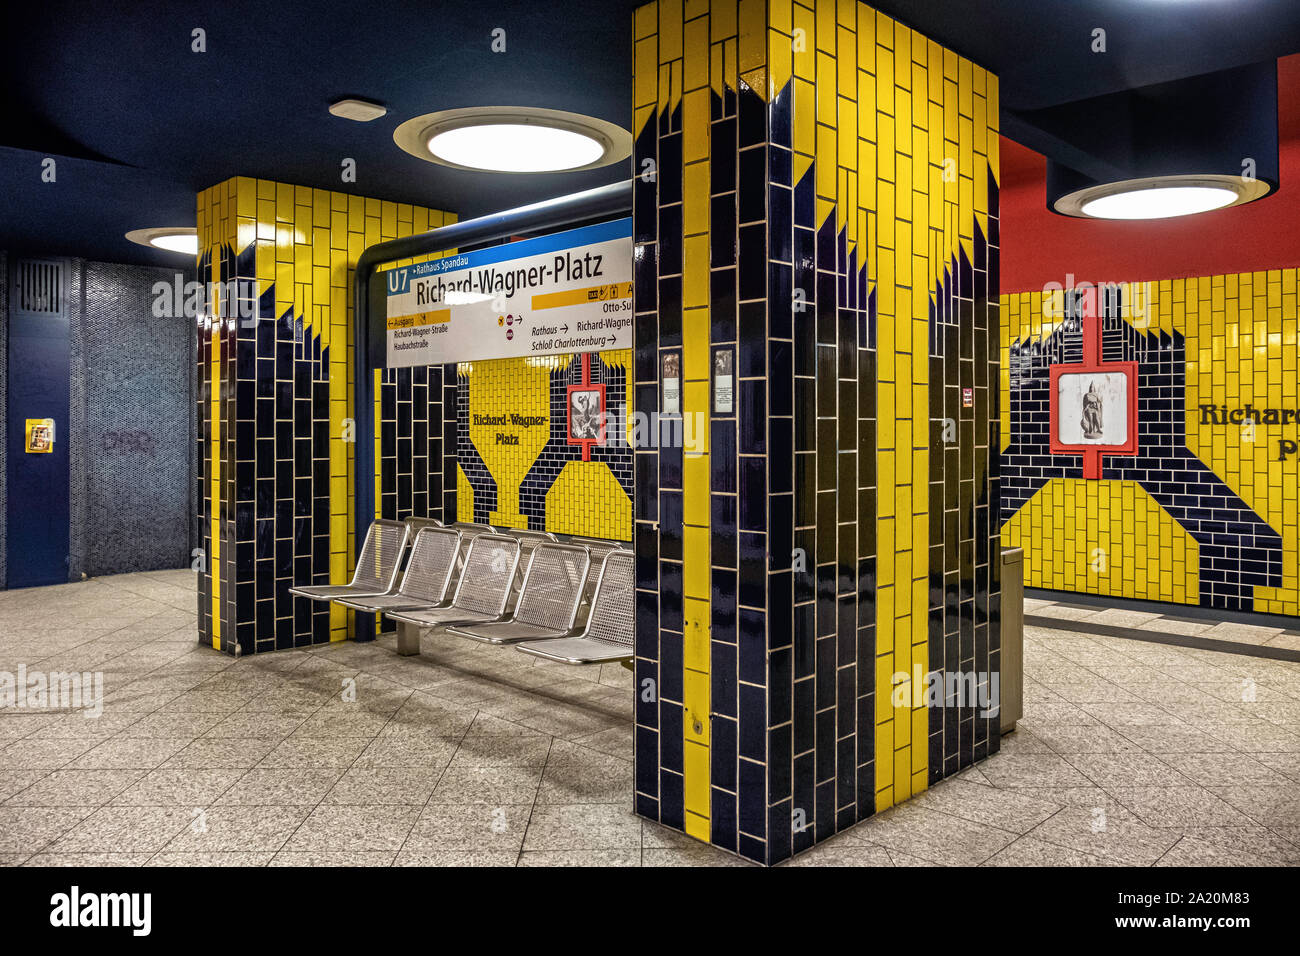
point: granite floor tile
(509, 751)
(588, 858)
(130, 753)
(931, 835)
(16, 781)
(1113, 835)
(583, 827)
(410, 856)
(1177, 806)
(1082, 739)
(347, 829)
(402, 786)
(837, 855)
(26, 830)
(310, 858)
(272, 787)
(207, 753)
(1028, 851)
(320, 752)
(1224, 769)
(1110, 770)
(75, 788)
(174, 725)
(88, 860)
(408, 750)
(496, 786)
(30, 753)
(253, 724)
(124, 830)
(1005, 809)
(210, 859)
(1271, 806)
(180, 787)
(1011, 771)
(1129, 752)
(475, 827)
(226, 829)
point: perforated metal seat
(377, 565)
(609, 632)
(428, 575)
(548, 602)
(483, 589)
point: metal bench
(427, 578)
(608, 634)
(415, 524)
(481, 594)
(548, 600)
(599, 548)
(377, 565)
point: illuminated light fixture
(360, 111)
(1161, 197)
(1171, 149)
(514, 139)
(184, 239)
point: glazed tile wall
(1207, 513)
(275, 460)
(525, 473)
(823, 201)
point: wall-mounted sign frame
(40, 436)
(724, 380)
(567, 292)
(670, 383)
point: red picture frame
(1092, 453)
(1130, 371)
(586, 443)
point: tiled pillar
(274, 455)
(817, 194)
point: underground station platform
(702, 433)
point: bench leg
(408, 639)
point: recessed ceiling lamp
(514, 139)
(1161, 197)
(1171, 149)
(360, 111)
(183, 239)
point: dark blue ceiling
(138, 123)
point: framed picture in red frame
(585, 414)
(1094, 409)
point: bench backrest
(488, 574)
(613, 609)
(433, 558)
(381, 555)
(552, 587)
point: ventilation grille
(39, 287)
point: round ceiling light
(513, 139)
(1161, 197)
(182, 239)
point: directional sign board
(566, 292)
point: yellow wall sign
(40, 436)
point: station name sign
(1249, 416)
(567, 292)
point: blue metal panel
(38, 499)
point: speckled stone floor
(1128, 753)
